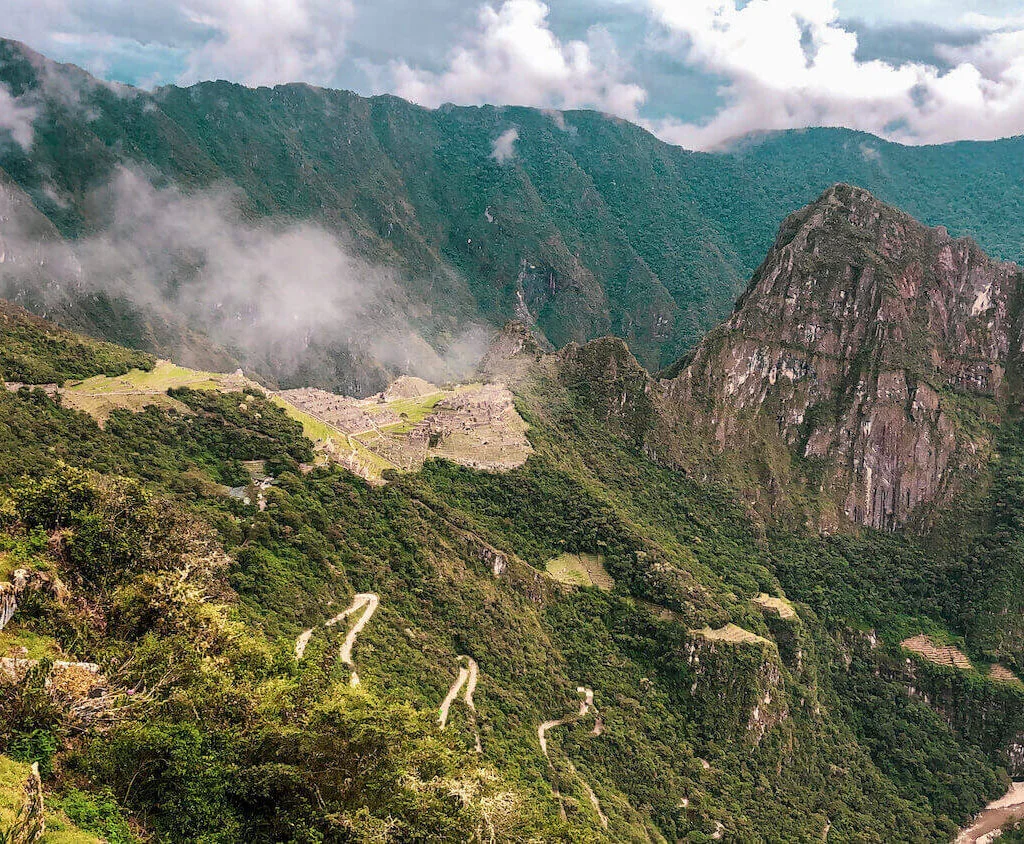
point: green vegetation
(60, 828)
(38, 352)
(748, 674)
(603, 227)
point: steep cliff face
(877, 349)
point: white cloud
(513, 58)
(264, 42)
(17, 115)
(790, 64)
(504, 147)
(195, 260)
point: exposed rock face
(23, 581)
(30, 823)
(863, 341)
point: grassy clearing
(731, 633)
(138, 389)
(160, 379)
(59, 828)
(581, 570)
(778, 605)
(413, 411)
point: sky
(699, 73)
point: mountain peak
(859, 340)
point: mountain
(591, 227)
(767, 589)
(591, 646)
(881, 352)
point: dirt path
(601, 816)
(1009, 807)
(586, 706)
(301, 642)
(468, 675)
(368, 603)
(442, 716)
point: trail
(468, 675)
(586, 706)
(994, 816)
(601, 816)
(301, 642)
(366, 601)
(442, 716)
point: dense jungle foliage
(190, 601)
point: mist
(280, 295)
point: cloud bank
(792, 63)
(514, 58)
(277, 293)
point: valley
(487, 520)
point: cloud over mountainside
(271, 290)
(504, 148)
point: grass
(779, 605)
(36, 645)
(160, 379)
(312, 428)
(8, 565)
(581, 570)
(100, 395)
(59, 828)
(413, 411)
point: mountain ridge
(555, 234)
(711, 648)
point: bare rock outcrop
(868, 344)
(21, 582)
(30, 823)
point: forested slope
(738, 684)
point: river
(1009, 807)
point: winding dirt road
(442, 715)
(301, 642)
(368, 603)
(586, 706)
(468, 675)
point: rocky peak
(606, 376)
(511, 353)
(872, 345)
